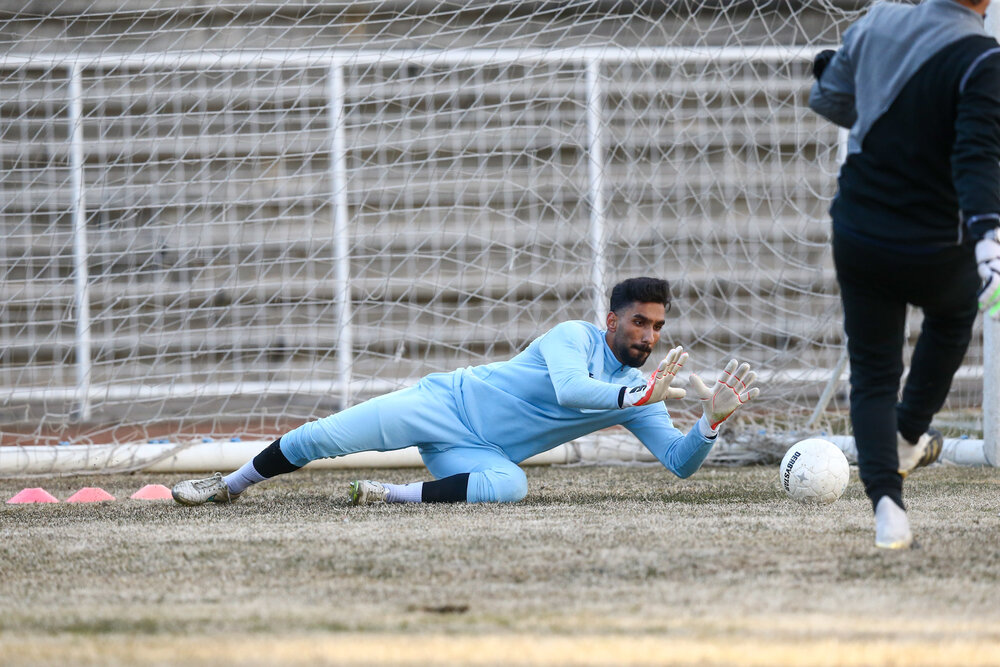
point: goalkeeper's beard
(635, 355)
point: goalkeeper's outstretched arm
(683, 454)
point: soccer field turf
(598, 565)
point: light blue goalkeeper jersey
(563, 386)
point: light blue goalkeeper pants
(424, 415)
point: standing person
(915, 216)
(474, 425)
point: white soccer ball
(814, 471)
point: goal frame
(590, 59)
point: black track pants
(875, 286)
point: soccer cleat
(892, 528)
(366, 492)
(200, 491)
(925, 452)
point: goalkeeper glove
(658, 387)
(988, 265)
(820, 62)
(731, 391)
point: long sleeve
(975, 158)
(566, 350)
(681, 454)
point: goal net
(220, 221)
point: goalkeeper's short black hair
(640, 290)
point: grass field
(597, 566)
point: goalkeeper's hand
(988, 265)
(657, 388)
(731, 390)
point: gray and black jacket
(919, 88)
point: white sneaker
(200, 491)
(892, 528)
(925, 452)
(366, 492)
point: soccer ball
(814, 471)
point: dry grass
(597, 566)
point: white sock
(243, 478)
(404, 493)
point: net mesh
(227, 219)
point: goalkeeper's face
(634, 331)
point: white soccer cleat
(892, 528)
(366, 492)
(925, 452)
(200, 491)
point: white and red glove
(657, 388)
(988, 265)
(731, 390)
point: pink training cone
(90, 494)
(152, 492)
(35, 495)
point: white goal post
(202, 244)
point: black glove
(820, 62)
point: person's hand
(731, 390)
(820, 62)
(657, 388)
(988, 265)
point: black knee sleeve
(271, 461)
(452, 489)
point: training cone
(152, 492)
(90, 494)
(35, 495)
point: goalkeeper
(474, 425)
(914, 222)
